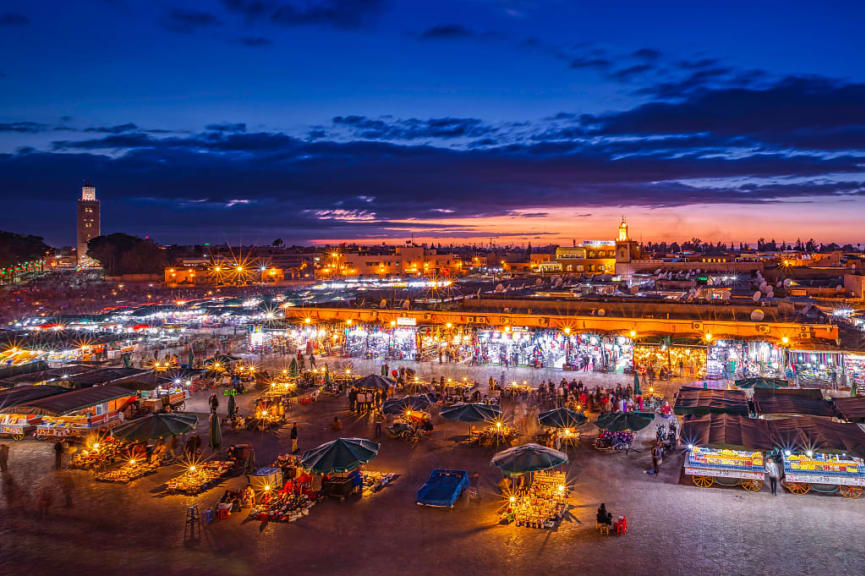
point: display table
(130, 471)
(337, 487)
(198, 478)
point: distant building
(88, 222)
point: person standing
(294, 438)
(772, 473)
(213, 401)
(4, 457)
(379, 423)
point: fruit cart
(826, 473)
(707, 467)
(16, 426)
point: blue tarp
(443, 488)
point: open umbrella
(340, 455)
(396, 406)
(463, 412)
(215, 432)
(528, 458)
(637, 390)
(618, 421)
(232, 406)
(373, 381)
(561, 418)
(155, 426)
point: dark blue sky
(247, 120)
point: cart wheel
(180, 407)
(751, 485)
(18, 436)
(703, 481)
(851, 491)
(798, 487)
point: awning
(852, 409)
(699, 401)
(795, 402)
(24, 394)
(818, 435)
(68, 402)
(730, 431)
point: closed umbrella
(292, 368)
(528, 458)
(637, 390)
(561, 418)
(215, 432)
(340, 455)
(618, 421)
(153, 426)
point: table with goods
(97, 454)
(543, 505)
(17, 426)
(129, 471)
(198, 478)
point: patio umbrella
(215, 432)
(292, 368)
(637, 390)
(154, 426)
(463, 412)
(232, 406)
(396, 406)
(527, 458)
(340, 455)
(618, 421)
(373, 381)
(561, 418)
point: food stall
(820, 455)
(541, 502)
(77, 413)
(726, 449)
(17, 425)
(97, 453)
(339, 462)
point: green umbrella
(232, 406)
(292, 368)
(463, 412)
(215, 432)
(527, 458)
(396, 406)
(637, 390)
(340, 455)
(618, 421)
(561, 418)
(154, 426)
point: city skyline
(375, 121)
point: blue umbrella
(528, 458)
(340, 455)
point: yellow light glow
(132, 461)
(192, 468)
(513, 498)
(708, 336)
(449, 325)
(267, 488)
(633, 333)
(785, 340)
(561, 488)
(392, 323)
(348, 321)
(567, 330)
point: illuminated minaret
(88, 221)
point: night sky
(514, 120)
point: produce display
(820, 468)
(543, 506)
(131, 470)
(282, 507)
(97, 454)
(375, 481)
(198, 477)
(724, 463)
(17, 425)
(497, 434)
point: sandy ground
(675, 528)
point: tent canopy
(818, 434)
(699, 401)
(69, 402)
(731, 431)
(24, 394)
(373, 381)
(799, 401)
(852, 409)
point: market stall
(561, 426)
(542, 500)
(731, 359)
(618, 428)
(77, 413)
(686, 361)
(816, 368)
(339, 463)
(199, 477)
(726, 449)
(15, 424)
(821, 455)
(783, 403)
(701, 401)
(98, 453)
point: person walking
(213, 401)
(656, 458)
(58, 454)
(4, 457)
(772, 473)
(294, 438)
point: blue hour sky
(518, 120)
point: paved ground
(675, 528)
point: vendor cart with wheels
(824, 473)
(724, 467)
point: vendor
(604, 517)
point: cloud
(117, 129)
(187, 21)
(335, 13)
(24, 127)
(13, 19)
(255, 41)
(227, 127)
(590, 62)
(648, 54)
(447, 32)
(627, 74)
(413, 128)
